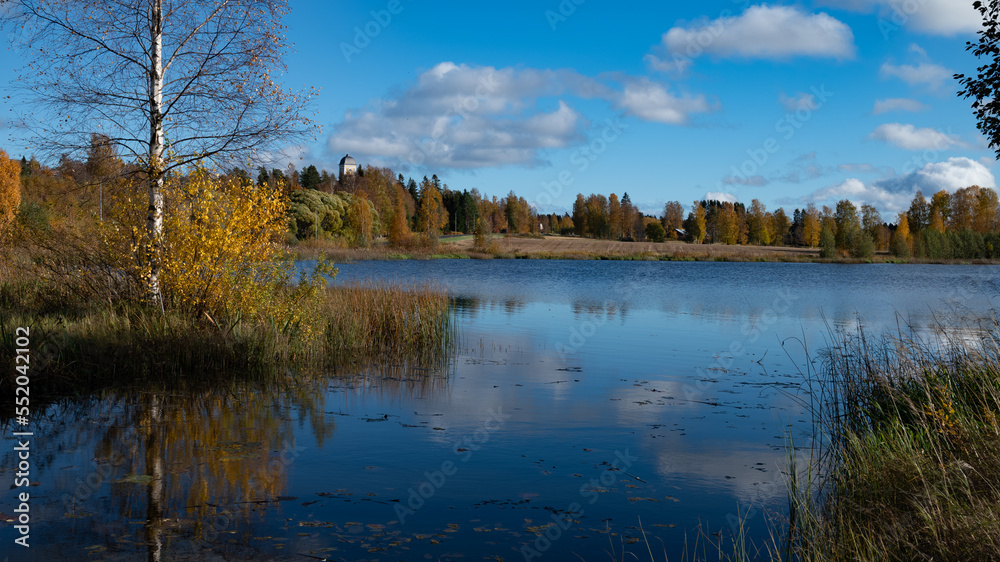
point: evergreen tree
(411, 187)
(310, 179)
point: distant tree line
(377, 202)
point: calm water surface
(585, 399)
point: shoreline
(583, 249)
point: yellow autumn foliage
(10, 189)
(219, 253)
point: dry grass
(586, 248)
(911, 468)
(80, 346)
(383, 320)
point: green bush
(314, 214)
(827, 244)
(655, 232)
(864, 246)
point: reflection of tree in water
(611, 309)
(470, 306)
(392, 382)
(194, 460)
(179, 474)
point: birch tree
(167, 82)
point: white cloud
(928, 74)
(909, 137)
(298, 156)
(652, 102)
(895, 194)
(721, 196)
(460, 116)
(920, 51)
(951, 175)
(947, 17)
(933, 17)
(466, 117)
(798, 102)
(898, 104)
(761, 32)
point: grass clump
(911, 464)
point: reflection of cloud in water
(752, 476)
(712, 435)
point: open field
(587, 247)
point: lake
(590, 408)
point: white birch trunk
(154, 220)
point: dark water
(591, 408)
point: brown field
(585, 247)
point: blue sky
(789, 103)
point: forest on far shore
(377, 203)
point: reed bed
(80, 346)
(908, 463)
(383, 320)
